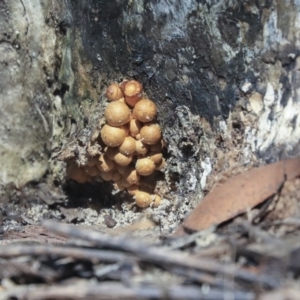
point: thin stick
(116, 291)
(107, 256)
(159, 256)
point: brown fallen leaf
(240, 193)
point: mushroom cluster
(132, 143)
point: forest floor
(250, 250)
(240, 242)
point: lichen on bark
(27, 47)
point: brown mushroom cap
(114, 92)
(117, 113)
(121, 169)
(142, 199)
(116, 176)
(132, 88)
(113, 136)
(107, 176)
(125, 183)
(133, 92)
(110, 152)
(156, 157)
(150, 133)
(122, 100)
(145, 166)
(91, 161)
(157, 147)
(122, 85)
(104, 164)
(145, 110)
(157, 201)
(132, 189)
(140, 147)
(135, 127)
(132, 101)
(122, 160)
(128, 146)
(161, 165)
(131, 176)
(77, 173)
(119, 186)
(91, 170)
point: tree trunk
(224, 75)
(29, 66)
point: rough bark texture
(28, 47)
(224, 74)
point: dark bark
(223, 74)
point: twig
(185, 240)
(287, 221)
(116, 291)
(25, 269)
(159, 256)
(93, 255)
(102, 271)
(107, 256)
(200, 277)
(256, 232)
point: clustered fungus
(132, 144)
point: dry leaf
(240, 193)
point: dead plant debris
(254, 256)
(241, 193)
(124, 268)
